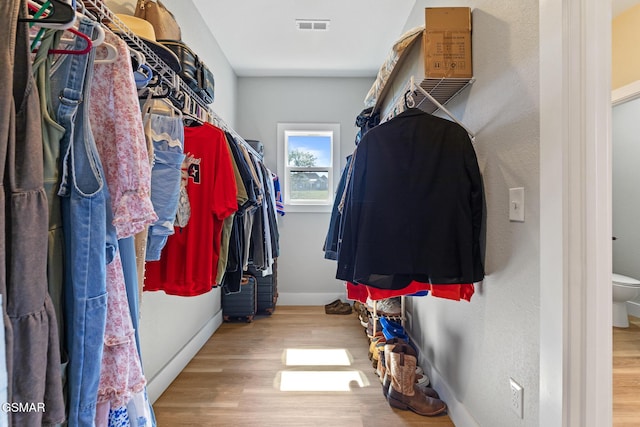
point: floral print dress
(116, 123)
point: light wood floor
(235, 378)
(626, 375)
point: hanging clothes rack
(193, 105)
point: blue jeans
(85, 214)
(167, 136)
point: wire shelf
(105, 16)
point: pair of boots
(397, 368)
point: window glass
(309, 150)
(309, 185)
(308, 160)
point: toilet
(624, 289)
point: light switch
(516, 204)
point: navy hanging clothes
(414, 207)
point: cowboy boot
(380, 367)
(378, 347)
(373, 342)
(385, 374)
(403, 392)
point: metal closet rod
(222, 125)
(103, 13)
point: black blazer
(414, 206)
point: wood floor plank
(235, 379)
(626, 375)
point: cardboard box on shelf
(447, 42)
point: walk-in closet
(290, 213)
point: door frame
(575, 214)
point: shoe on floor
(341, 308)
(357, 305)
(333, 303)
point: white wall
(172, 328)
(474, 348)
(304, 276)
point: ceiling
(259, 38)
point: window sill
(308, 208)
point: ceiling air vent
(312, 24)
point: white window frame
(285, 129)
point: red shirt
(188, 264)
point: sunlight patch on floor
(318, 369)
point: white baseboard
(456, 410)
(299, 298)
(633, 308)
(159, 383)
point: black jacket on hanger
(414, 206)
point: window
(308, 155)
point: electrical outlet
(517, 397)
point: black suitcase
(267, 289)
(241, 304)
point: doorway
(575, 214)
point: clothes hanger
(142, 72)
(193, 116)
(156, 90)
(87, 49)
(177, 98)
(175, 112)
(137, 56)
(112, 52)
(142, 75)
(175, 95)
(84, 51)
(39, 10)
(162, 106)
(34, 6)
(51, 14)
(409, 102)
